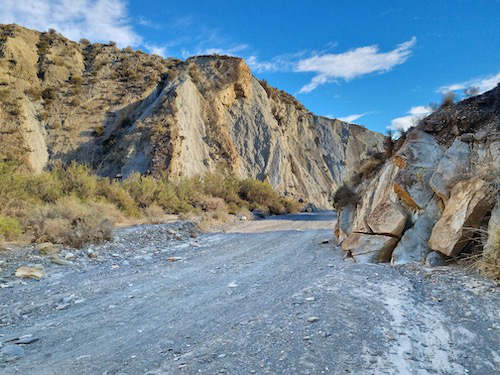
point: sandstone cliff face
(433, 192)
(123, 111)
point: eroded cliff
(122, 111)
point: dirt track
(262, 297)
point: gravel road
(261, 297)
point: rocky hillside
(122, 111)
(433, 196)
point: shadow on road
(306, 216)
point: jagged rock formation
(437, 185)
(122, 111)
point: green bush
(68, 204)
(10, 229)
(78, 179)
(258, 193)
(45, 186)
(117, 195)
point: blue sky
(376, 63)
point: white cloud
(157, 50)
(262, 66)
(480, 84)
(97, 20)
(281, 63)
(415, 114)
(352, 117)
(354, 63)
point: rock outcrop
(123, 111)
(436, 187)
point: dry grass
(344, 196)
(73, 206)
(489, 263)
(70, 222)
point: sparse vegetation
(10, 228)
(344, 196)
(73, 206)
(49, 94)
(448, 99)
(489, 263)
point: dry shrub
(154, 214)
(258, 193)
(117, 195)
(72, 205)
(78, 179)
(143, 189)
(489, 263)
(344, 196)
(291, 206)
(34, 93)
(70, 222)
(49, 94)
(109, 211)
(448, 99)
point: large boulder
(413, 246)
(451, 169)
(377, 192)
(387, 218)
(369, 248)
(344, 222)
(469, 202)
(417, 159)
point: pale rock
(387, 218)
(466, 207)
(344, 222)
(36, 272)
(56, 259)
(413, 246)
(419, 157)
(48, 248)
(369, 248)
(452, 168)
(379, 190)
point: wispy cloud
(156, 50)
(351, 64)
(98, 20)
(415, 114)
(352, 117)
(477, 85)
(281, 63)
(143, 21)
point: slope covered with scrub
(123, 111)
